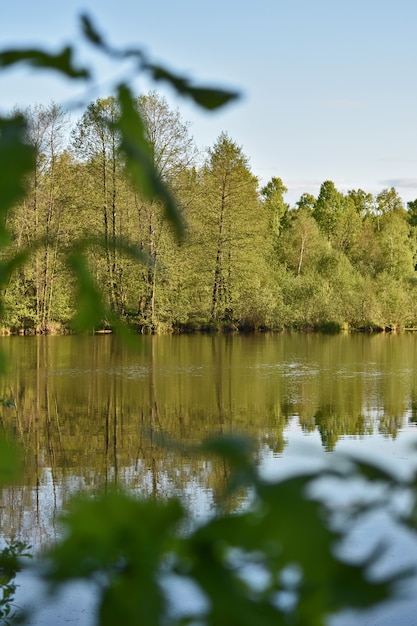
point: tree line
(247, 260)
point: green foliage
(388, 201)
(273, 194)
(363, 201)
(10, 565)
(234, 225)
(130, 546)
(62, 62)
(412, 213)
(271, 560)
(17, 159)
(12, 553)
(9, 461)
(22, 154)
(327, 208)
(206, 97)
(135, 146)
(214, 250)
(124, 541)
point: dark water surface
(90, 413)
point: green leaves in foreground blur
(17, 159)
(10, 565)
(91, 311)
(61, 62)
(139, 160)
(9, 461)
(208, 98)
(271, 560)
(125, 542)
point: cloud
(404, 183)
(396, 160)
(341, 103)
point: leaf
(90, 307)
(122, 245)
(237, 450)
(211, 98)
(92, 35)
(126, 334)
(90, 32)
(372, 472)
(17, 159)
(206, 97)
(282, 529)
(3, 359)
(122, 542)
(9, 462)
(19, 259)
(61, 62)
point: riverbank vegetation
(247, 259)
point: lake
(91, 412)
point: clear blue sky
(329, 87)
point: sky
(328, 87)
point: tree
(273, 196)
(301, 245)
(171, 145)
(327, 209)
(96, 142)
(347, 226)
(389, 201)
(232, 220)
(396, 245)
(39, 220)
(173, 153)
(307, 201)
(412, 212)
(363, 201)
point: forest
(246, 259)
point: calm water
(89, 412)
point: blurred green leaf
(122, 542)
(91, 311)
(10, 565)
(8, 266)
(282, 528)
(206, 97)
(138, 155)
(10, 461)
(3, 360)
(211, 98)
(17, 159)
(90, 32)
(116, 527)
(375, 473)
(238, 450)
(62, 62)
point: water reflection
(91, 413)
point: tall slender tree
(327, 209)
(96, 143)
(39, 217)
(174, 153)
(236, 224)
